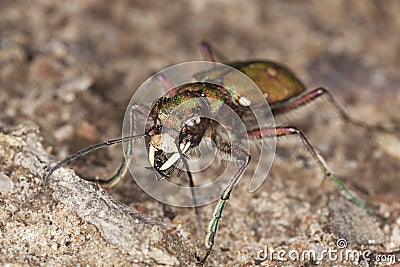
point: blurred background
(72, 67)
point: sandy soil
(72, 68)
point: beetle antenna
(90, 149)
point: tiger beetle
(281, 88)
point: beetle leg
(313, 95)
(288, 130)
(240, 155)
(124, 165)
(183, 148)
(206, 51)
(123, 168)
(191, 184)
(208, 54)
(170, 89)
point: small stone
(352, 223)
(390, 144)
(5, 183)
(10, 140)
(45, 69)
(87, 131)
(64, 133)
(68, 91)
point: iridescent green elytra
(275, 81)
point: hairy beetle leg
(289, 130)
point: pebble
(68, 91)
(390, 144)
(87, 131)
(64, 133)
(5, 183)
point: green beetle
(172, 134)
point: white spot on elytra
(244, 102)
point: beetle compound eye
(189, 123)
(194, 118)
(193, 121)
(197, 120)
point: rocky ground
(68, 70)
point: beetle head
(167, 145)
